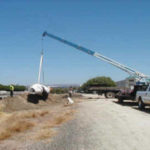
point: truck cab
(130, 94)
(143, 98)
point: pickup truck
(143, 98)
(128, 94)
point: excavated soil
(23, 122)
(20, 102)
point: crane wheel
(141, 105)
(109, 95)
(120, 100)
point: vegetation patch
(99, 81)
(15, 127)
(16, 88)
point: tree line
(16, 87)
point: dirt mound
(23, 122)
(20, 102)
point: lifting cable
(42, 53)
(41, 70)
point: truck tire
(141, 105)
(120, 100)
(94, 92)
(109, 95)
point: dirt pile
(19, 103)
(22, 121)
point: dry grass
(15, 127)
(60, 120)
(20, 126)
(2, 106)
(33, 114)
(3, 115)
(44, 134)
(4, 135)
(40, 119)
(43, 113)
(17, 123)
(47, 130)
(64, 117)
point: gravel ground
(102, 124)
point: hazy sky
(117, 29)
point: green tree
(99, 81)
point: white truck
(143, 98)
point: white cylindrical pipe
(40, 68)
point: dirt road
(101, 124)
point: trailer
(109, 92)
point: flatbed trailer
(109, 92)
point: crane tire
(120, 100)
(109, 95)
(141, 105)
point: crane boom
(129, 70)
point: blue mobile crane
(137, 76)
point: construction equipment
(38, 90)
(138, 76)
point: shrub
(99, 81)
(59, 90)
